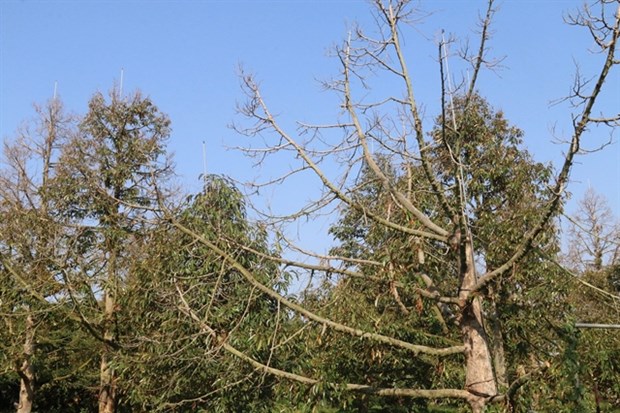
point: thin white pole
(120, 91)
(594, 325)
(204, 160)
(450, 90)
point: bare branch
(580, 126)
(392, 17)
(480, 57)
(401, 198)
(265, 119)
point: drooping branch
(222, 341)
(430, 292)
(416, 349)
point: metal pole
(592, 325)
(204, 160)
(120, 91)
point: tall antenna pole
(55, 90)
(204, 160)
(450, 90)
(446, 58)
(120, 88)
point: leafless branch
(580, 125)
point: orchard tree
(106, 182)
(29, 283)
(593, 259)
(179, 288)
(447, 205)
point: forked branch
(580, 124)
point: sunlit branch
(479, 59)
(402, 199)
(394, 392)
(580, 124)
(268, 119)
(303, 311)
(392, 17)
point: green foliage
(117, 155)
(67, 363)
(70, 236)
(174, 365)
(505, 189)
(613, 278)
(138, 299)
(598, 350)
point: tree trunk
(499, 357)
(479, 376)
(107, 389)
(26, 370)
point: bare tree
(379, 123)
(594, 235)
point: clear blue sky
(184, 54)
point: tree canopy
(444, 289)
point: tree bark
(499, 356)
(107, 386)
(26, 370)
(107, 389)
(479, 375)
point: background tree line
(445, 289)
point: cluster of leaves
(179, 365)
(92, 265)
(527, 309)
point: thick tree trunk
(107, 391)
(479, 375)
(26, 370)
(499, 357)
(107, 387)
(107, 375)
